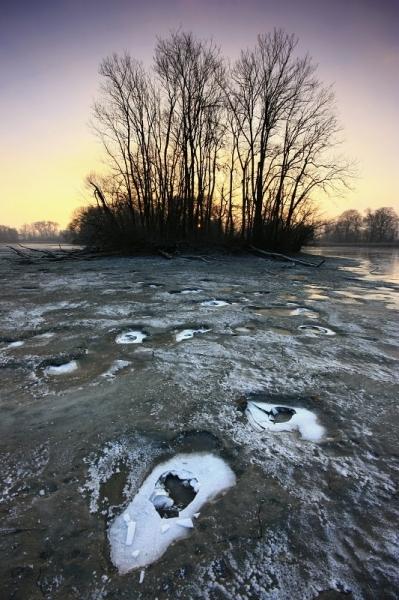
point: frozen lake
(111, 367)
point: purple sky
(49, 56)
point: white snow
(187, 334)
(61, 369)
(153, 534)
(316, 329)
(301, 310)
(16, 344)
(214, 303)
(261, 416)
(131, 337)
(116, 366)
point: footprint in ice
(316, 329)
(186, 291)
(63, 369)
(131, 337)
(163, 509)
(188, 334)
(215, 303)
(262, 415)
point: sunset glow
(49, 57)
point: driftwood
(279, 256)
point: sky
(50, 51)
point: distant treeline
(380, 226)
(199, 149)
(40, 231)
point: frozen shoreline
(77, 446)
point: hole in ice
(153, 285)
(140, 535)
(316, 329)
(131, 337)
(215, 303)
(62, 369)
(173, 492)
(186, 291)
(306, 312)
(188, 334)
(262, 415)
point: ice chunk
(64, 369)
(151, 537)
(188, 523)
(135, 553)
(262, 415)
(142, 573)
(131, 337)
(131, 528)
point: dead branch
(279, 256)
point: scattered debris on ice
(206, 476)
(116, 366)
(316, 329)
(215, 303)
(131, 337)
(188, 334)
(64, 369)
(262, 415)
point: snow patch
(316, 329)
(131, 337)
(116, 366)
(215, 303)
(262, 415)
(64, 369)
(188, 334)
(150, 537)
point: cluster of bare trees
(198, 147)
(8, 234)
(40, 231)
(378, 226)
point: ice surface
(64, 369)
(261, 415)
(131, 337)
(188, 334)
(151, 537)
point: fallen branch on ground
(279, 256)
